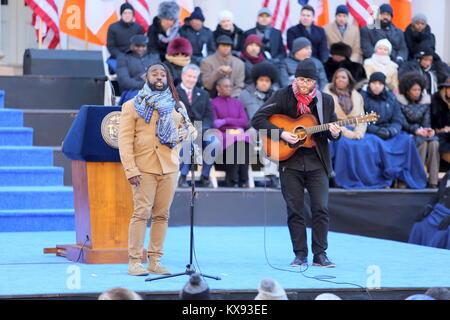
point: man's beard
(385, 24)
(154, 88)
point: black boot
(205, 182)
(182, 183)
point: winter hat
(197, 14)
(299, 44)
(139, 39)
(253, 38)
(420, 297)
(126, 6)
(445, 84)
(168, 10)
(270, 289)
(378, 76)
(341, 49)
(195, 289)
(225, 14)
(266, 11)
(419, 16)
(224, 39)
(265, 69)
(341, 9)
(327, 296)
(384, 42)
(179, 45)
(386, 7)
(307, 69)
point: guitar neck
(326, 126)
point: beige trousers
(429, 153)
(152, 199)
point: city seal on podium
(110, 129)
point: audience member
(270, 289)
(232, 121)
(165, 28)
(418, 35)
(132, 67)
(370, 36)
(381, 62)
(222, 64)
(415, 106)
(119, 294)
(272, 41)
(306, 28)
(227, 27)
(195, 289)
(301, 50)
(342, 31)
(340, 58)
(200, 37)
(179, 52)
(198, 107)
(348, 103)
(119, 35)
(429, 64)
(440, 118)
(438, 293)
(264, 75)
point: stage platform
(241, 256)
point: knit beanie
(384, 42)
(386, 7)
(378, 76)
(419, 16)
(299, 44)
(197, 14)
(126, 6)
(341, 9)
(195, 289)
(307, 69)
(270, 289)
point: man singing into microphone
(152, 125)
(308, 168)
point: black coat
(417, 41)
(284, 102)
(175, 71)
(439, 70)
(370, 36)
(200, 108)
(274, 44)
(236, 36)
(155, 45)
(317, 37)
(198, 40)
(130, 69)
(119, 35)
(440, 118)
(356, 69)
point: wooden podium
(102, 194)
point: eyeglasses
(305, 81)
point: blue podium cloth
(426, 232)
(373, 163)
(84, 139)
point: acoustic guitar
(304, 127)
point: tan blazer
(351, 37)
(358, 109)
(139, 146)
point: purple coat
(229, 113)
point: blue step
(26, 156)
(31, 176)
(37, 220)
(49, 197)
(16, 136)
(11, 118)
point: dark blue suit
(317, 37)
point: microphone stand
(190, 269)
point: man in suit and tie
(198, 106)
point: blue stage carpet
(236, 254)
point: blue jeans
(211, 143)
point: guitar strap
(320, 106)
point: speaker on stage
(69, 63)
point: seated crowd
(224, 76)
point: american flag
(280, 15)
(45, 19)
(362, 11)
(141, 12)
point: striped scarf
(303, 100)
(147, 101)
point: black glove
(383, 133)
(444, 223)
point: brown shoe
(154, 266)
(135, 268)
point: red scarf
(303, 100)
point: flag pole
(40, 34)
(86, 43)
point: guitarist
(308, 168)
